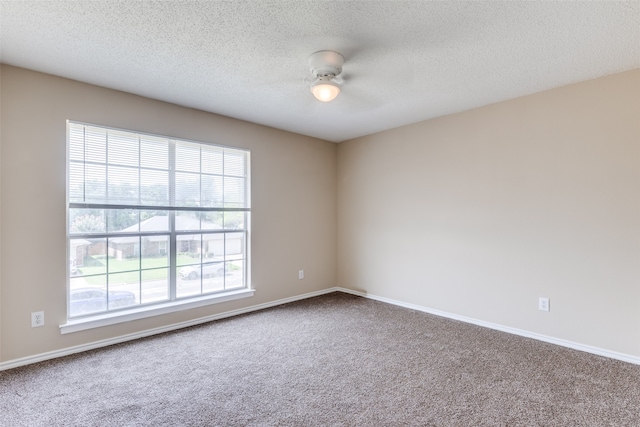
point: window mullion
(139, 218)
(173, 245)
(84, 165)
(139, 172)
(106, 168)
(140, 267)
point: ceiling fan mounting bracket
(326, 63)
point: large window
(153, 220)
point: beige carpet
(334, 360)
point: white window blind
(115, 167)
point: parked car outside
(90, 300)
(192, 272)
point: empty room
(331, 213)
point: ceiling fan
(325, 67)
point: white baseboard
(117, 340)
(558, 341)
(129, 337)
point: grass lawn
(127, 270)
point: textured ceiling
(405, 61)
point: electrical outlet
(300, 274)
(37, 319)
(543, 304)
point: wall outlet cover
(543, 304)
(37, 319)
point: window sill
(155, 310)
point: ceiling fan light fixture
(324, 89)
(325, 67)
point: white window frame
(174, 302)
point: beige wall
(293, 188)
(480, 213)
